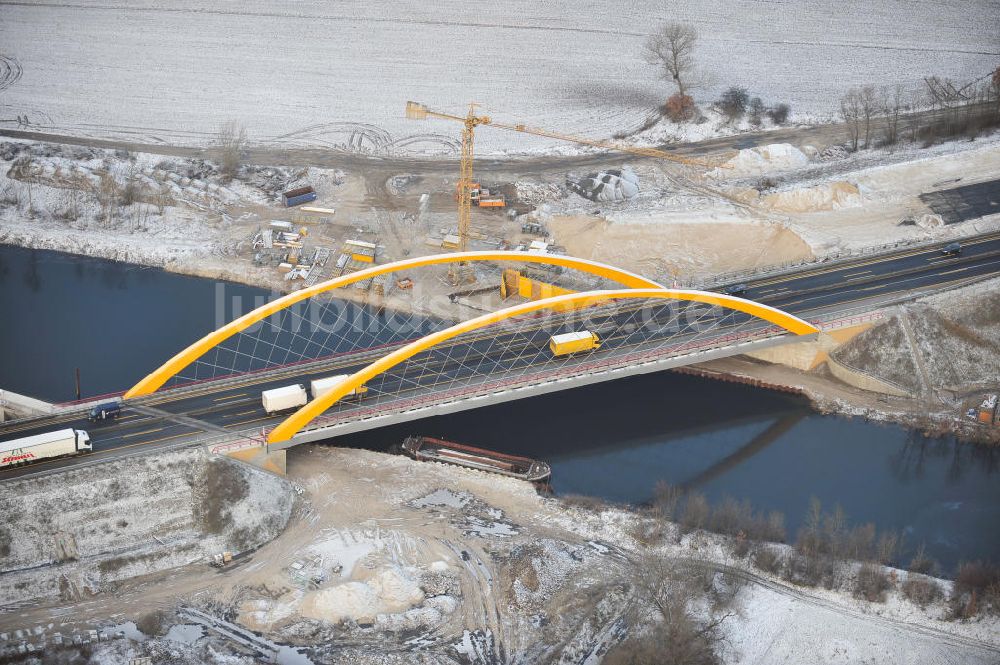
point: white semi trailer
(42, 446)
(284, 398)
(320, 386)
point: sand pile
(388, 591)
(765, 159)
(832, 196)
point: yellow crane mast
(416, 111)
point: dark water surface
(614, 440)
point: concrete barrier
(13, 405)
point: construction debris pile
(613, 185)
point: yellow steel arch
(295, 422)
(152, 382)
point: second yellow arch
(295, 422)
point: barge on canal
(426, 448)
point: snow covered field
(320, 73)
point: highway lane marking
(241, 413)
(899, 283)
(874, 261)
(856, 274)
(886, 282)
(146, 443)
(148, 431)
(229, 398)
(255, 420)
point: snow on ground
(316, 73)
(80, 532)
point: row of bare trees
(955, 110)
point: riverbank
(925, 365)
(422, 561)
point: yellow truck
(574, 342)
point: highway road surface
(177, 416)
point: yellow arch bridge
(632, 288)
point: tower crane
(417, 111)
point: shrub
(872, 582)
(921, 590)
(665, 499)
(976, 590)
(767, 559)
(779, 114)
(923, 564)
(679, 108)
(811, 570)
(681, 641)
(733, 102)
(593, 503)
(696, 512)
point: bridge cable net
(516, 353)
(336, 332)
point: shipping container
(43, 446)
(298, 196)
(574, 342)
(284, 398)
(320, 386)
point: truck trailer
(320, 386)
(574, 342)
(30, 449)
(284, 398)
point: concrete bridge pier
(272, 461)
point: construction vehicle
(221, 560)
(574, 342)
(416, 111)
(481, 197)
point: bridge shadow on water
(616, 440)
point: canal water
(614, 440)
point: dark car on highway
(954, 249)
(735, 290)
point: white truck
(41, 446)
(320, 386)
(284, 398)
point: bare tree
(671, 48)
(868, 99)
(677, 636)
(232, 142)
(893, 104)
(850, 111)
(995, 89)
